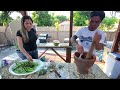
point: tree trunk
(24, 13)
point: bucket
(83, 65)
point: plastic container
(112, 65)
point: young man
(90, 34)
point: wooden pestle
(89, 54)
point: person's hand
(79, 48)
(29, 57)
(96, 38)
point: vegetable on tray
(25, 67)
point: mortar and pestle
(85, 60)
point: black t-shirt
(31, 45)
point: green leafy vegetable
(25, 67)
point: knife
(56, 72)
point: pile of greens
(25, 67)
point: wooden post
(71, 27)
(116, 40)
(68, 50)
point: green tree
(61, 18)
(56, 22)
(108, 23)
(5, 17)
(58, 19)
(80, 18)
(42, 18)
